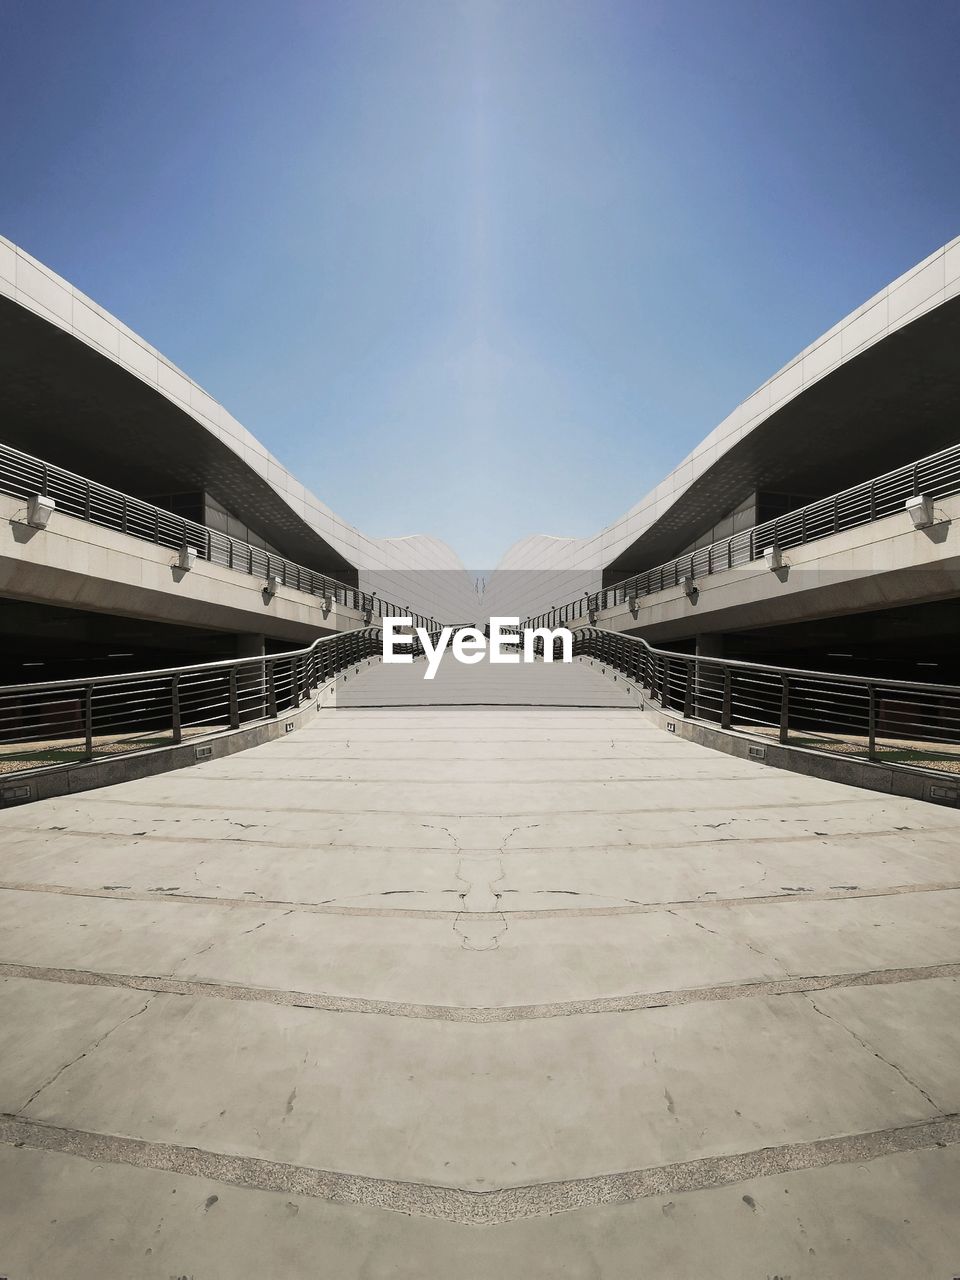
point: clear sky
(472, 268)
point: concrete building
(875, 393)
(81, 392)
(508, 973)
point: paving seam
(480, 1208)
(93, 798)
(478, 1014)
(462, 782)
(289, 843)
(453, 913)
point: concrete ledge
(79, 565)
(87, 775)
(896, 780)
(885, 563)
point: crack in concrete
(90, 1048)
(736, 940)
(480, 924)
(876, 1052)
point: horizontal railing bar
(858, 715)
(22, 474)
(937, 474)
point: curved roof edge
(35, 287)
(930, 284)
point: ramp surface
(473, 990)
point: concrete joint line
(440, 913)
(326, 1003)
(289, 842)
(480, 1208)
(190, 806)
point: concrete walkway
(480, 990)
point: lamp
(920, 509)
(39, 510)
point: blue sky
(480, 269)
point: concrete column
(708, 687)
(252, 679)
(711, 645)
(251, 646)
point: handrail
(904, 723)
(937, 475)
(22, 475)
(900, 722)
(69, 721)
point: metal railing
(66, 721)
(937, 476)
(899, 722)
(23, 475)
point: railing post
(88, 723)
(784, 707)
(871, 722)
(726, 709)
(687, 691)
(271, 687)
(234, 700)
(175, 706)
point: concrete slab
(479, 964)
(207, 1073)
(65, 1218)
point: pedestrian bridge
(511, 982)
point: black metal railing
(937, 476)
(23, 475)
(899, 722)
(66, 721)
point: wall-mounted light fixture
(921, 510)
(187, 558)
(271, 586)
(689, 586)
(773, 557)
(39, 510)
